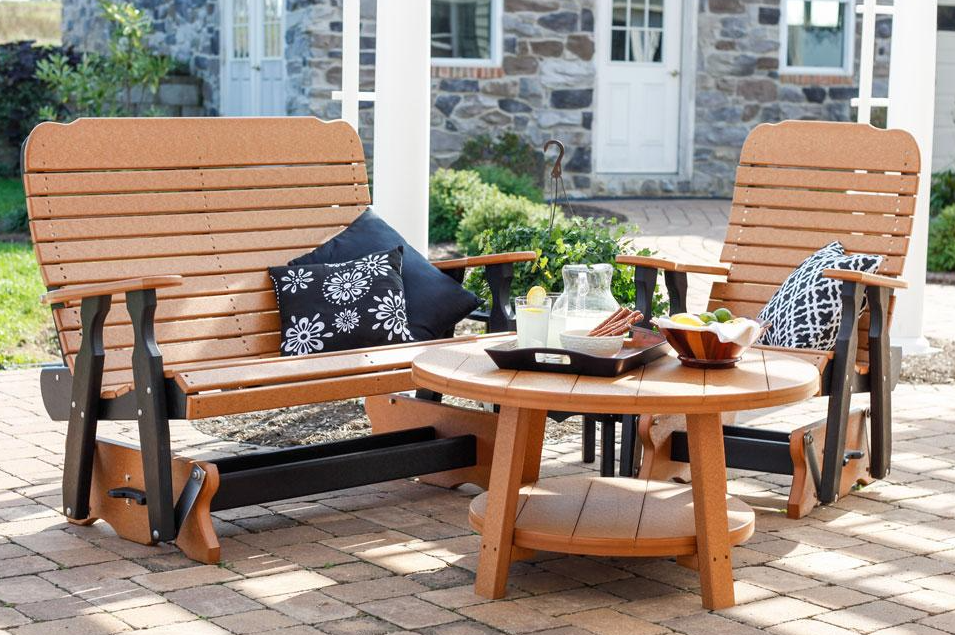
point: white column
(912, 108)
(403, 117)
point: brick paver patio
(399, 557)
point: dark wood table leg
(708, 470)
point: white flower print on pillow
(295, 280)
(346, 321)
(392, 316)
(334, 307)
(344, 287)
(305, 336)
(374, 264)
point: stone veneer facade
(545, 86)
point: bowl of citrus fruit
(712, 339)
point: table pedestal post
(708, 472)
(520, 435)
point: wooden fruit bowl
(703, 349)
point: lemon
(687, 319)
(537, 296)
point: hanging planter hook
(557, 180)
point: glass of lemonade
(532, 322)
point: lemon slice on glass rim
(536, 296)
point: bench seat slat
(190, 202)
(756, 254)
(85, 272)
(54, 230)
(131, 181)
(790, 238)
(826, 179)
(112, 249)
(121, 336)
(877, 224)
(181, 309)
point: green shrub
(23, 94)
(507, 151)
(573, 241)
(509, 183)
(108, 85)
(496, 211)
(943, 191)
(451, 193)
(941, 241)
(13, 207)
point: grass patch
(34, 20)
(26, 326)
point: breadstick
(613, 317)
(610, 328)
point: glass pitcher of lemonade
(585, 302)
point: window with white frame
(465, 32)
(817, 36)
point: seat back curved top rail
(216, 200)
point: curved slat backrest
(803, 184)
(217, 200)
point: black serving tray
(647, 346)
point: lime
(723, 315)
(706, 317)
(537, 296)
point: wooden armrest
(109, 288)
(484, 261)
(869, 279)
(669, 265)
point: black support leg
(676, 284)
(880, 387)
(588, 444)
(499, 279)
(645, 283)
(84, 409)
(608, 430)
(840, 392)
(628, 440)
(153, 419)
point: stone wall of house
(543, 89)
(187, 30)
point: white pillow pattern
(806, 310)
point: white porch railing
(911, 106)
(402, 108)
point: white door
(253, 77)
(944, 144)
(638, 85)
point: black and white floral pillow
(806, 310)
(336, 307)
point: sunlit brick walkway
(399, 557)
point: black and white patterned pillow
(342, 306)
(806, 310)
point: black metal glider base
(118, 494)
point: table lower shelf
(593, 515)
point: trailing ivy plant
(573, 241)
(108, 85)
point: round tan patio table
(612, 516)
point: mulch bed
(935, 368)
